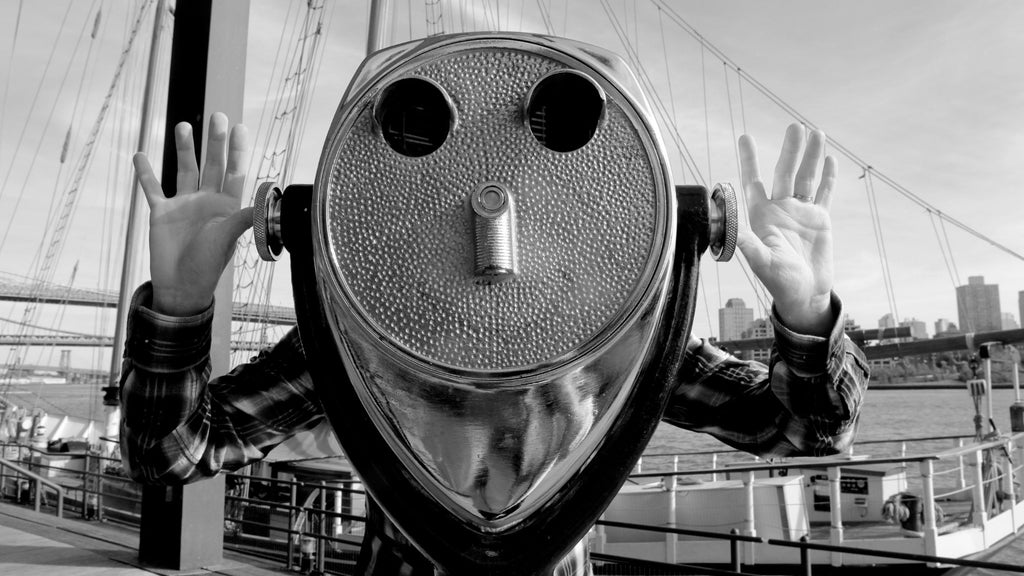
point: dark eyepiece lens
(414, 116)
(564, 111)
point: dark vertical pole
(182, 527)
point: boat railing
(983, 475)
(804, 544)
(650, 460)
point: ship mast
(111, 401)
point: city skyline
(733, 314)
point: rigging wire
(45, 271)
(883, 257)
(7, 81)
(546, 18)
(668, 80)
(34, 100)
(861, 163)
(942, 249)
(46, 127)
(659, 105)
(663, 112)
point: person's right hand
(192, 235)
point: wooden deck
(34, 544)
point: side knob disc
(724, 222)
(266, 221)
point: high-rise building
(734, 319)
(1020, 304)
(1009, 322)
(760, 328)
(945, 327)
(918, 329)
(887, 321)
(977, 304)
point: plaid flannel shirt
(178, 425)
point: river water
(886, 415)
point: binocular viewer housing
(494, 280)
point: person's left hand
(789, 242)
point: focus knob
(266, 221)
(723, 223)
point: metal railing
(32, 482)
(983, 474)
(90, 491)
(319, 526)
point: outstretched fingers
(785, 169)
(147, 179)
(188, 168)
(216, 155)
(807, 175)
(238, 147)
(829, 174)
(750, 176)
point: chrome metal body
(493, 324)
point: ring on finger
(803, 198)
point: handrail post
(749, 524)
(978, 491)
(931, 532)
(961, 480)
(85, 487)
(734, 552)
(805, 557)
(835, 507)
(321, 548)
(292, 537)
(671, 538)
(714, 466)
(1008, 483)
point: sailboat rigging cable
(778, 101)
(45, 271)
(7, 81)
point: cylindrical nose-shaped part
(494, 233)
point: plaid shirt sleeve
(178, 425)
(805, 403)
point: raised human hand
(192, 235)
(789, 241)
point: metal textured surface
(401, 237)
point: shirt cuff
(807, 354)
(160, 343)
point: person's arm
(809, 400)
(177, 426)
(805, 403)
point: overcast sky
(930, 93)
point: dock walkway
(35, 544)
